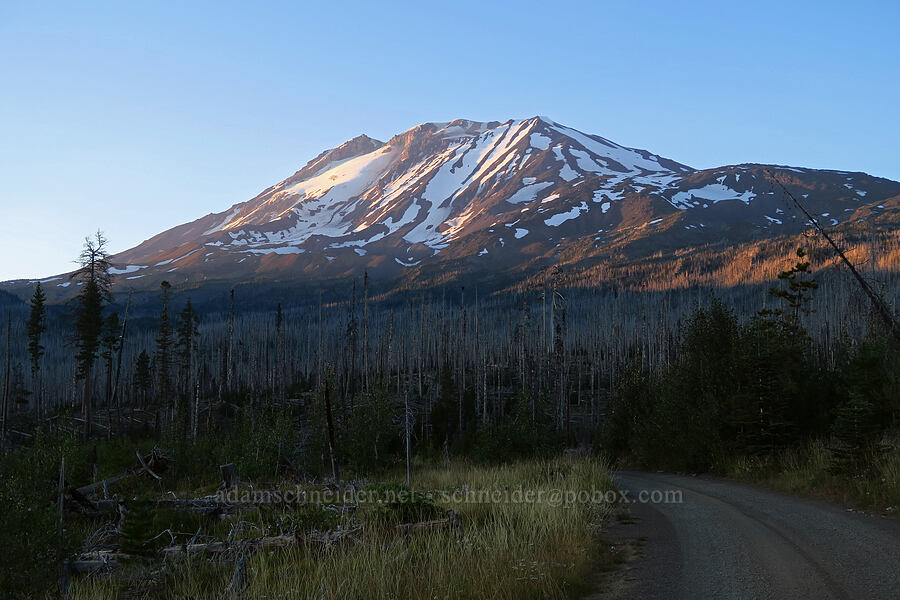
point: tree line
(758, 388)
(460, 362)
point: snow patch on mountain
(528, 193)
(126, 270)
(540, 141)
(630, 160)
(714, 192)
(561, 218)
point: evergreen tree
(800, 285)
(186, 341)
(629, 414)
(862, 418)
(95, 282)
(773, 392)
(137, 529)
(36, 326)
(163, 350)
(109, 344)
(186, 332)
(143, 379)
(444, 418)
(18, 390)
(280, 354)
(696, 402)
(777, 405)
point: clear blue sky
(135, 117)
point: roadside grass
(507, 549)
(807, 472)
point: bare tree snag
(238, 582)
(877, 302)
(332, 450)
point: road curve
(729, 540)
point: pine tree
(775, 398)
(109, 343)
(800, 287)
(860, 421)
(163, 350)
(95, 282)
(280, 354)
(136, 530)
(352, 337)
(18, 390)
(143, 379)
(186, 332)
(444, 417)
(36, 327)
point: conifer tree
(143, 379)
(137, 529)
(800, 286)
(186, 332)
(95, 282)
(280, 354)
(861, 419)
(36, 327)
(109, 342)
(163, 350)
(776, 394)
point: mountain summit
(470, 197)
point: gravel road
(729, 540)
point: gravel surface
(730, 540)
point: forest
(110, 402)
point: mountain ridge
(487, 196)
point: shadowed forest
(795, 382)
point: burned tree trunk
(329, 420)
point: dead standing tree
(880, 306)
(329, 421)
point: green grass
(806, 472)
(514, 550)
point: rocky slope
(446, 200)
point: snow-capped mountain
(468, 196)
(423, 190)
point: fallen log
(246, 544)
(211, 506)
(262, 543)
(146, 468)
(451, 521)
(97, 561)
(155, 461)
(104, 561)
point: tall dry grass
(506, 550)
(807, 472)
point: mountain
(493, 201)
